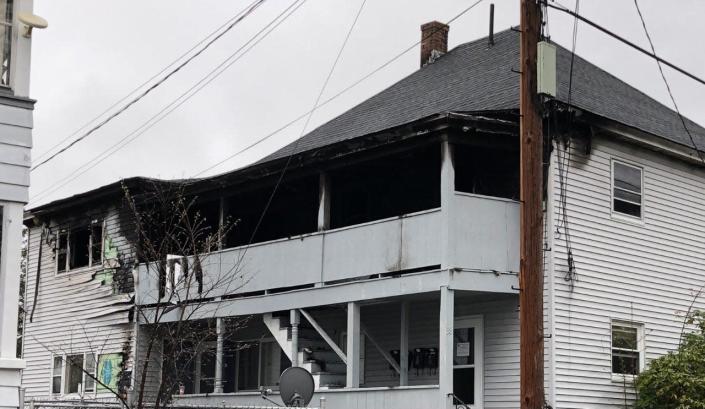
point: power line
(563, 164)
(69, 178)
(627, 42)
(668, 86)
(152, 87)
(692, 140)
(163, 70)
(176, 103)
(334, 97)
(303, 130)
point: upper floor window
(5, 41)
(80, 247)
(627, 348)
(626, 189)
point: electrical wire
(76, 173)
(668, 86)
(692, 140)
(139, 87)
(627, 42)
(282, 173)
(337, 95)
(563, 164)
(152, 87)
(169, 108)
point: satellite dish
(296, 386)
(31, 21)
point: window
(56, 371)
(627, 348)
(80, 247)
(626, 189)
(5, 41)
(74, 373)
(75, 376)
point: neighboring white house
(15, 144)
(387, 262)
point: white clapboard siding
(15, 145)
(73, 312)
(642, 271)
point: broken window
(487, 171)
(79, 247)
(74, 373)
(293, 211)
(393, 185)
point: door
(467, 361)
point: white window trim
(476, 322)
(90, 265)
(623, 216)
(64, 375)
(641, 348)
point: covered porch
(458, 345)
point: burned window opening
(79, 247)
(488, 171)
(293, 211)
(393, 185)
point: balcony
(474, 235)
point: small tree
(677, 380)
(165, 221)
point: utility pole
(531, 182)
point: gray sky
(95, 52)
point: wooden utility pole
(531, 175)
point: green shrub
(676, 380)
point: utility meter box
(546, 70)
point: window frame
(91, 263)
(10, 26)
(63, 374)
(617, 214)
(640, 344)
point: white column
(294, 320)
(404, 345)
(219, 329)
(445, 347)
(353, 349)
(10, 256)
(447, 196)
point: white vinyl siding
(641, 272)
(74, 313)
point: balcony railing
(483, 234)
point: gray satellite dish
(296, 386)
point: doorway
(468, 338)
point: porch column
(218, 387)
(447, 196)
(445, 347)
(294, 320)
(353, 349)
(404, 345)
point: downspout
(39, 268)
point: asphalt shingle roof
(475, 77)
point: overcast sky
(95, 52)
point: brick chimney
(434, 41)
